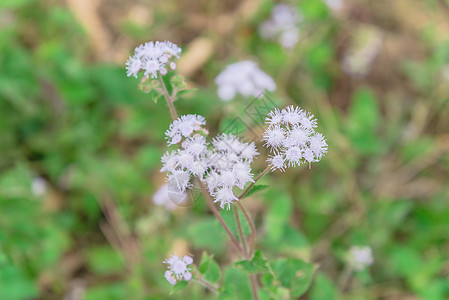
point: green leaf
(294, 274)
(363, 120)
(207, 233)
(235, 285)
(209, 268)
(15, 285)
(323, 288)
(104, 260)
(258, 264)
(180, 285)
(256, 188)
(278, 215)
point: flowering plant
(222, 167)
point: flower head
(191, 159)
(243, 78)
(152, 58)
(292, 138)
(184, 127)
(178, 268)
(229, 167)
(283, 25)
(360, 257)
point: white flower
(152, 57)
(274, 137)
(318, 145)
(229, 167)
(180, 179)
(360, 257)
(196, 145)
(184, 126)
(274, 117)
(39, 186)
(283, 25)
(243, 78)
(178, 268)
(170, 161)
(277, 162)
(225, 197)
(192, 158)
(168, 196)
(292, 138)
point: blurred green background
(80, 146)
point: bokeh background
(80, 145)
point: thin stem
(241, 235)
(252, 277)
(251, 226)
(253, 281)
(168, 98)
(207, 285)
(217, 214)
(267, 169)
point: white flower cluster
(292, 139)
(178, 268)
(153, 57)
(191, 159)
(245, 78)
(169, 197)
(360, 257)
(283, 25)
(225, 166)
(230, 166)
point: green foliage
(258, 264)
(363, 122)
(209, 268)
(293, 274)
(256, 188)
(235, 285)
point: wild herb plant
(222, 168)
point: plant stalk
(217, 214)
(168, 98)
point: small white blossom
(192, 158)
(292, 138)
(152, 58)
(178, 268)
(180, 179)
(39, 186)
(225, 196)
(283, 26)
(229, 167)
(360, 257)
(184, 126)
(243, 78)
(277, 162)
